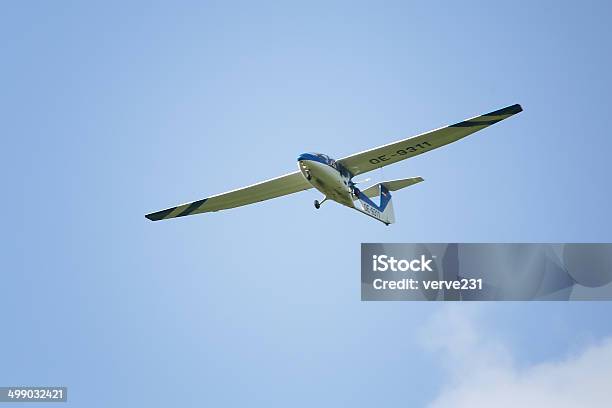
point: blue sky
(112, 110)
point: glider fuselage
(327, 176)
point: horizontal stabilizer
(392, 185)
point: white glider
(334, 178)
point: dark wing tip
(159, 215)
(510, 110)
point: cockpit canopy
(323, 158)
(331, 162)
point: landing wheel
(308, 176)
(317, 204)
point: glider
(334, 178)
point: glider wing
(276, 187)
(413, 146)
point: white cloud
(483, 373)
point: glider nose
(302, 165)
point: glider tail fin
(383, 212)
